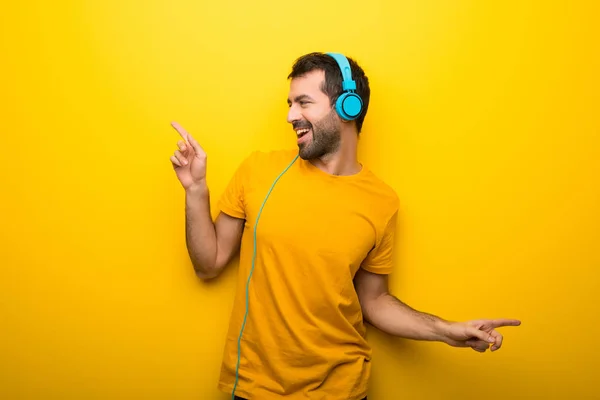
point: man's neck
(344, 161)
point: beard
(325, 137)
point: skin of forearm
(394, 317)
(201, 238)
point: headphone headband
(347, 82)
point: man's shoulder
(266, 159)
(382, 190)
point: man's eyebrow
(300, 98)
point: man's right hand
(211, 245)
(189, 161)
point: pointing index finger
(497, 323)
(184, 134)
(188, 138)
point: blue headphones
(349, 105)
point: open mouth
(302, 132)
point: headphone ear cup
(349, 106)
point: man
(315, 229)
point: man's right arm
(210, 245)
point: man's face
(316, 123)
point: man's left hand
(478, 334)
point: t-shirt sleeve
(232, 201)
(380, 258)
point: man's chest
(312, 219)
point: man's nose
(293, 114)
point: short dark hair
(332, 86)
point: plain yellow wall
(484, 118)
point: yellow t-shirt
(304, 336)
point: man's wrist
(441, 328)
(196, 189)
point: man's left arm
(390, 315)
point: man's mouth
(303, 135)
(302, 132)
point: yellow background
(484, 118)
